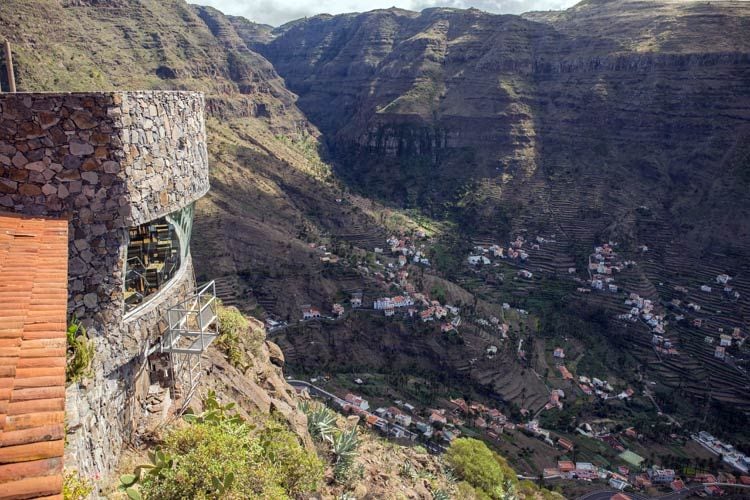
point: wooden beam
(9, 67)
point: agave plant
(407, 470)
(321, 422)
(441, 495)
(344, 447)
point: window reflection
(156, 251)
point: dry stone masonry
(106, 162)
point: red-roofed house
(565, 444)
(357, 401)
(565, 466)
(437, 418)
(677, 485)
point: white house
(357, 401)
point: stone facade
(106, 162)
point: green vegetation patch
(79, 353)
(219, 455)
(631, 458)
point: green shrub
(468, 492)
(483, 469)
(219, 455)
(79, 354)
(233, 326)
(75, 487)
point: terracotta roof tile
(33, 303)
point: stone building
(124, 168)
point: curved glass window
(156, 251)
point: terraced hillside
(615, 119)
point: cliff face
(627, 103)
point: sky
(277, 12)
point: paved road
(607, 494)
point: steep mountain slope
(614, 120)
(641, 103)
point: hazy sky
(276, 12)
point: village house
(720, 352)
(357, 401)
(337, 310)
(447, 327)
(356, 299)
(661, 476)
(559, 353)
(440, 312)
(585, 470)
(618, 484)
(310, 313)
(403, 419)
(642, 481)
(566, 375)
(460, 405)
(436, 417)
(565, 444)
(565, 466)
(554, 399)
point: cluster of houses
(394, 424)
(644, 310)
(722, 280)
(589, 385)
(490, 420)
(515, 251)
(389, 305)
(419, 304)
(603, 263)
(652, 477)
(407, 249)
(602, 389)
(325, 256)
(658, 476)
(728, 452)
(726, 341)
(401, 421)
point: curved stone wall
(106, 162)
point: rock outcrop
(261, 388)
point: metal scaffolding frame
(193, 325)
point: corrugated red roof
(33, 305)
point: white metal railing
(192, 324)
